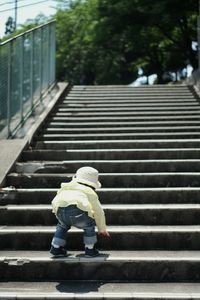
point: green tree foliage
(84, 54)
(107, 41)
(76, 49)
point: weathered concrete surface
(167, 195)
(10, 151)
(151, 197)
(101, 290)
(137, 266)
(170, 238)
(116, 214)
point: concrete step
(146, 118)
(128, 113)
(123, 95)
(116, 214)
(123, 237)
(129, 87)
(127, 129)
(130, 91)
(124, 106)
(71, 125)
(128, 109)
(109, 100)
(111, 154)
(109, 180)
(122, 88)
(117, 90)
(133, 91)
(136, 266)
(119, 143)
(165, 195)
(118, 166)
(101, 290)
(122, 135)
(125, 102)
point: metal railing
(27, 72)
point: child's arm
(104, 233)
(99, 217)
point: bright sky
(26, 12)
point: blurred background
(113, 41)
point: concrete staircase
(145, 142)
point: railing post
(10, 45)
(198, 36)
(21, 78)
(40, 62)
(49, 56)
(31, 72)
(54, 51)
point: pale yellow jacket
(84, 197)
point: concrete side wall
(10, 151)
(194, 80)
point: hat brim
(96, 185)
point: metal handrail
(28, 31)
(27, 71)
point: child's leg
(59, 239)
(81, 220)
(60, 236)
(89, 237)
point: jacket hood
(74, 185)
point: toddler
(77, 204)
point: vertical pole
(16, 14)
(49, 56)
(41, 62)
(10, 45)
(31, 71)
(21, 78)
(198, 36)
(53, 63)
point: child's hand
(104, 233)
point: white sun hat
(88, 175)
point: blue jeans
(73, 216)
